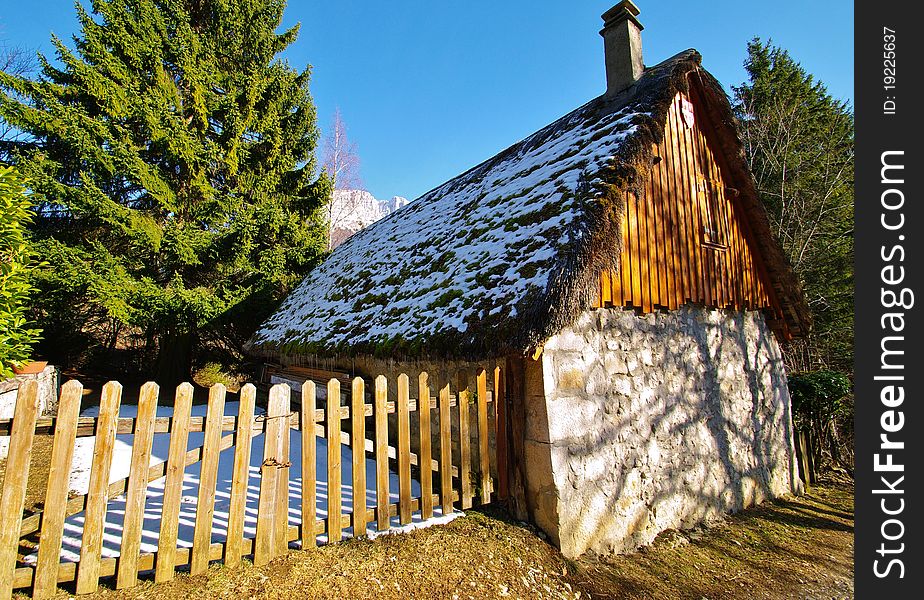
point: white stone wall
(655, 422)
(48, 386)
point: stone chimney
(622, 44)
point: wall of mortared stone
(48, 387)
(637, 424)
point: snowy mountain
(352, 210)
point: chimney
(622, 44)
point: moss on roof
(500, 258)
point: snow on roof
(474, 247)
(466, 268)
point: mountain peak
(352, 210)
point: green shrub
(819, 396)
(16, 258)
(822, 404)
(212, 373)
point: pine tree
(174, 155)
(799, 142)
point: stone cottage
(620, 266)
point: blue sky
(429, 89)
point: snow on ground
(80, 478)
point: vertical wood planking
(358, 439)
(625, 265)
(717, 195)
(675, 166)
(722, 199)
(635, 250)
(693, 204)
(704, 180)
(653, 247)
(463, 402)
(334, 478)
(381, 453)
(672, 250)
(659, 281)
(664, 257)
(15, 480)
(500, 434)
(681, 191)
(164, 566)
(62, 454)
(265, 545)
(644, 245)
(95, 513)
(309, 465)
(484, 458)
(426, 456)
(130, 550)
(240, 476)
(208, 478)
(445, 451)
(404, 450)
(733, 262)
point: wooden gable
(687, 240)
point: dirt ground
(791, 548)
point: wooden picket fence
(444, 484)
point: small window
(712, 212)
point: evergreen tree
(174, 155)
(799, 142)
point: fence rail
(451, 456)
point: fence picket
(484, 459)
(445, 451)
(265, 545)
(358, 440)
(281, 522)
(273, 530)
(173, 484)
(463, 397)
(95, 514)
(334, 524)
(500, 431)
(208, 478)
(381, 453)
(425, 462)
(309, 465)
(62, 454)
(404, 451)
(17, 477)
(240, 476)
(130, 548)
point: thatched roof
(504, 256)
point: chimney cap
(625, 10)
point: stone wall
(48, 388)
(637, 424)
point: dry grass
(39, 466)
(791, 548)
(794, 547)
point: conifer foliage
(173, 153)
(799, 142)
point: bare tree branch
(341, 161)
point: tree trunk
(174, 359)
